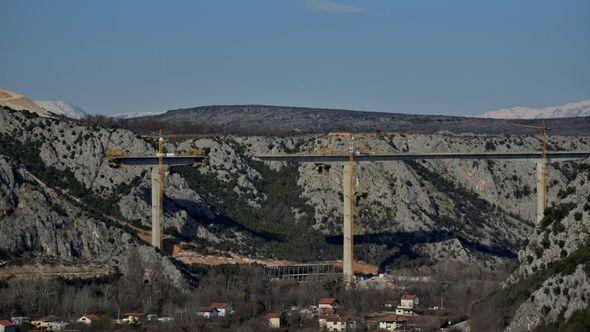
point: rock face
(38, 219)
(475, 212)
(558, 252)
(559, 297)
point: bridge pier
(157, 208)
(347, 231)
(541, 190)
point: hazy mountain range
(132, 115)
(564, 111)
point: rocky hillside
(550, 290)
(20, 102)
(56, 186)
(41, 226)
(559, 251)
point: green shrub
(555, 213)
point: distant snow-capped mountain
(63, 108)
(135, 115)
(565, 111)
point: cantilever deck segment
(154, 161)
(419, 156)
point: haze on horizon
(424, 57)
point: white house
(274, 320)
(208, 312)
(338, 323)
(224, 308)
(409, 301)
(407, 305)
(392, 322)
(165, 319)
(50, 323)
(327, 304)
(88, 319)
(133, 317)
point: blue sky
(410, 56)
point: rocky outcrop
(558, 251)
(558, 298)
(43, 221)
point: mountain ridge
(63, 108)
(577, 109)
(285, 120)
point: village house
(392, 322)
(165, 319)
(407, 305)
(50, 323)
(18, 320)
(338, 323)
(208, 312)
(151, 317)
(389, 304)
(328, 304)
(224, 308)
(88, 319)
(273, 319)
(7, 326)
(133, 317)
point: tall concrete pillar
(347, 193)
(157, 209)
(541, 190)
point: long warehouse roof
(423, 156)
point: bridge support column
(347, 193)
(157, 208)
(541, 190)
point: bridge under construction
(347, 161)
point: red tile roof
(334, 319)
(272, 315)
(409, 297)
(207, 309)
(327, 300)
(220, 305)
(92, 317)
(6, 323)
